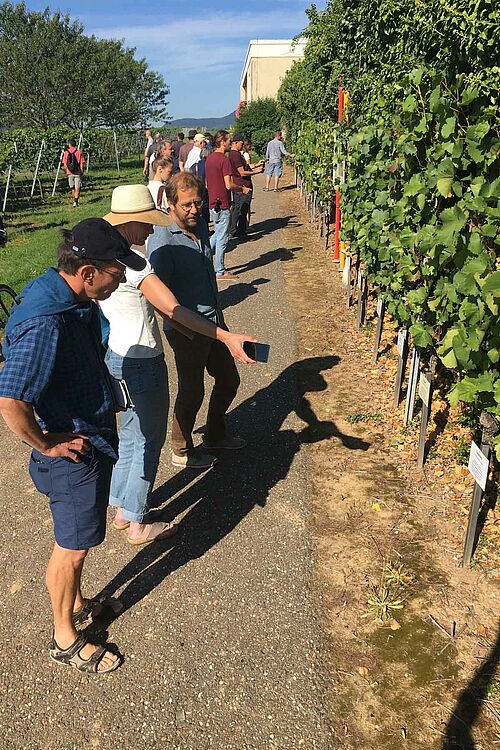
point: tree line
(52, 73)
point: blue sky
(199, 47)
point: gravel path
(221, 631)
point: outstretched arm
(167, 305)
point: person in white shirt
(135, 354)
(162, 171)
(196, 153)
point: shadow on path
(281, 253)
(222, 497)
(470, 703)
(236, 293)
(261, 228)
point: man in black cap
(185, 149)
(54, 366)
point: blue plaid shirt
(55, 362)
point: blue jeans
(142, 434)
(220, 237)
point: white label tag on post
(424, 388)
(379, 306)
(401, 340)
(360, 279)
(478, 465)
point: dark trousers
(204, 209)
(240, 212)
(192, 358)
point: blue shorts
(78, 494)
(276, 169)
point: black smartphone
(257, 352)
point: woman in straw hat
(135, 355)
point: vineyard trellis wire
(20, 149)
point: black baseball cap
(95, 239)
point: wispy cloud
(218, 25)
(202, 57)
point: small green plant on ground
(359, 417)
(412, 426)
(390, 594)
(493, 691)
(462, 451)
(397, 575)
(469, 416)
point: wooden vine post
(402, 360)
(412, 386)
(479, 464)
(425, 390)
(380, 326)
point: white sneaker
(194, 460)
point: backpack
(72, 163)
(199, 170)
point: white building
(266, 63)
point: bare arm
(249, 172)
(20, 419)
(230, 185)
(167, 305)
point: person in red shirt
(219, 182)
(73, 162)
(185, 149)
(242, 175)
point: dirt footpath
(222, 633)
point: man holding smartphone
(182, 258)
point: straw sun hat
(135, 203)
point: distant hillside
(204, 122)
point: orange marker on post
(336, 244)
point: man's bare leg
(276, 182)
(268, 181)
(63, 578)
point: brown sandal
(70, 657)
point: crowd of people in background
(60, 387)
(223, 165)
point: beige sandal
(156, 531)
